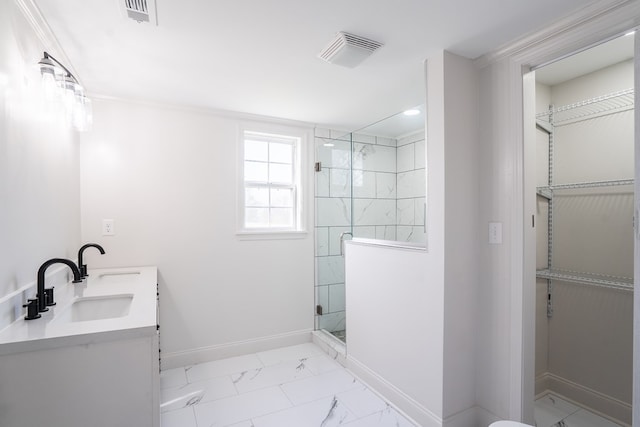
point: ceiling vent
(348, 50)
(141, 10)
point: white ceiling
(587, 61)
(260, 56)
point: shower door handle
(424, 216)
(342, 241)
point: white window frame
(299, 137)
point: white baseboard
(331, 345)
(592, 400)
(542, 385)
(237, 348)
(402, 402)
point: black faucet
(45, 296)
(81, 266)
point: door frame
(592, 25)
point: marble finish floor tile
(268, 376)
(294, 352)
(173, 378)
(242, 407)
(291, 386)
(553, 411)
(550, 409)
(327, 412)
(219, 368)
(362, 401)
(180, 418)
(319, 386)
(322, 364)
(389, 417)
(584, 418)
(194, 393)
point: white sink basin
(97, 308)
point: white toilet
(508, 424)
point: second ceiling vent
(348, 50)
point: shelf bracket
(544, 126)
(545, 192)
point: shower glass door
(369, 184)
(333, 196)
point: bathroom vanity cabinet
(68, 370)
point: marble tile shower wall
(374, 210)
(411, 188)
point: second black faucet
(81, 265)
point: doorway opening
(584, 237)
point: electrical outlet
(108, 227)
(495, 233)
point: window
(270, 196)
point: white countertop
(54, 329)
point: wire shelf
(550, 119)
(547, 192)
(610, 282)
(601, 105)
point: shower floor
(341, 335)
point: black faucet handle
(32, 309)
(48, 297)
(83, 270)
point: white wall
(167, 178)
(463, 233)
(39, 170)
(430, 298)
(394, 326)
(410, 285)
(497, 185)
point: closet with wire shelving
(585, 196)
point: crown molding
(224, 114)
(594, 23)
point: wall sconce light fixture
(60, 85)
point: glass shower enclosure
(370, 184)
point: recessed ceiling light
(328, 144)
(411, 112)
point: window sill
(271, 235)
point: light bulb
(49, 87)
(83, 114)
(68, 97)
